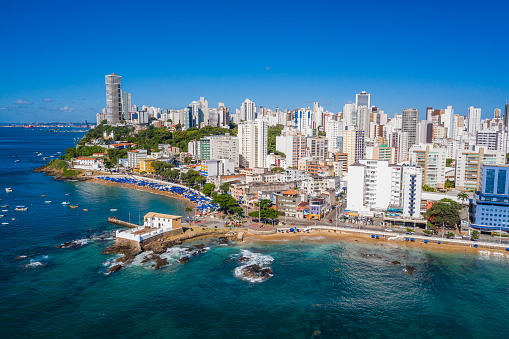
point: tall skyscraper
(506, 115)
(474, 120)
(410, 119)
(113, 98)
(252, 135)
(363, 99)
(497, 113)
(446, 120)
(247, 111)
(126, 105)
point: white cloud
(23, 102)
(267, 68)
(3, 107)
(47, 100)
(67, 109)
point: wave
(256, 266)
(74, 243)
(34, 263)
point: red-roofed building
(287, 203)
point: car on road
(330, 220)
(388, 230)
(410, 233)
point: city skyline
(288, 56)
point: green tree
(444, 212)
(426, 188)
(225, 187)
(475, 234)
(208, 188)
(272, 133)
(277, 170)
(200, 180)
(463, 197)
(225, 201)
(187, 160)
(449, 184)
(448, 162)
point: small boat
(113, 209)
(85, 210)
(43, 195)
(17, 160)
(5, 223)
(1, 215)
(47, 201)
(65, 203)
(21, 208)
(5, 206)
(5, 211)
(8, 190)
(68, 194)
(39, 154)
(59, 152)
(73, 206)
(13, 219)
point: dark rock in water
(409, 269)
(121, 259)
(243, 258)
(64, 234)
(200, 246)
(114, 268)
(222, 241)
(19, 257)
(128, 251)
(184, 260)
(317, 333)
(72, 244)
(150, 258)
(189, 249)
(395, 262)
(160, 263)
(256, 271)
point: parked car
(388, 230)
(330, 220)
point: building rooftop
(290, 192)
(161, 215)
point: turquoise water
(321, 286)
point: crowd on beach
(203, 203)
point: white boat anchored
(47, 201)
(8, 190)
(5, 223)
(113, 209)
(21, 208)
(65, 203)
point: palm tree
(462, 196)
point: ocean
(319, 288)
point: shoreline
(325, 236)
(142, 188)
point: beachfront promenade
(398, 237)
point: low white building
(88, 163)
(134, 157)
(160, 220)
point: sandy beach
(141, 188)
(331, 236)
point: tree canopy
(444, 212)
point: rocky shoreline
(156, 249)
(58, 174)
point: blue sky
(407, 54)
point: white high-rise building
(253, 138)
(113, 98)
(474, 120)
(447, 119)
(411, 190)
(373, 185)
(410, 118)
(247, 111)
(363, 99)
(350, 114)
(334, 133)
(293, 144)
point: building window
(490, 181)
(501, 181)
